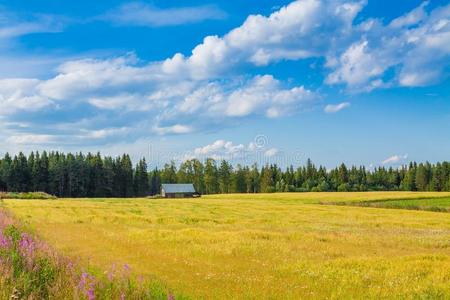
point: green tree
(141, 183)
(211, 177)
(421, 178)
(225, 177)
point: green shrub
(28, 195)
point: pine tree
(5, 173)
(253, 181)
(225, 177)
(238, 180)
(20, 174)
(421, 178)
(141, 182)
(127, 176)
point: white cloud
(395, 159)
(331, 109)
(80, 78)
(174, 129)
(220, 148)
(245, 154)
(141, 14)
(298, 30)
(12, 25)
(31, 139)
(412, 18)
(104, 133)
(120, 85)
(186, 93)
(265, 93)
(414, 47)
(358, 66)
(271, 152)
(18, 94)
(130, 102)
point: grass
(272, 246)
(31, 269)
(332, 197)
(437, 204)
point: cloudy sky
(360, 82)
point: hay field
(276, 246)
(433, 204)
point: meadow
(272, 246)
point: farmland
(433, 204)
(258, 246)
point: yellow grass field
(265, 246)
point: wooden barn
(185, 190)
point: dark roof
(178, 188)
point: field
(275, 246)
(436, 204)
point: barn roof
(178, 188)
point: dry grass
(258, 246)
(432, 204)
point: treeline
(92, 175)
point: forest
(94, 175)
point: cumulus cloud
(262, 94)
(142, 14)
(334, 108)
(414, 47)
(296, 31)
(271, 152)
(222, 149)
(200, 90)
(395, 159)
(18, 94)
(122, 85)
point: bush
(28, 195)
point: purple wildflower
(90, 294)
(126, 267)
(83, 281)
(27, 244)
(27, 247)
(5, 242)
(112, 272)
(126, 270)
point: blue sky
(360, 82)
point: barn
(178, 190)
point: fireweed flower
(27, 247)
(27, 244)
(83, 281)
(90, 294)
(5, 242)
(112, 272)
(126, 270)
